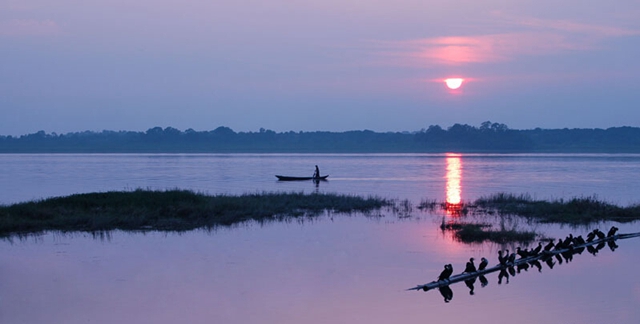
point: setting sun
(453, 83)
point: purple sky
(74, 65)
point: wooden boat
(287, 178)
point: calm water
(340, 269)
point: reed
(170, 210)
(579, 210)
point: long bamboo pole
(544, 254)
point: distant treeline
(489, 137)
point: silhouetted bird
(523, 266)
(599, 233)
(612, 231)
(537, 249)
(483, 264)
(512, 258)
(512, 271)
(579, 240)
(600, 246)
(591, 236)
(522, 253)
(592, 250)
(568, 241)
(446, 273)
(470, 267)
(549, 246)
(559, 245)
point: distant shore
(488, 138)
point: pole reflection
(453, 205)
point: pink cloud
(544, 37)
(29, 27)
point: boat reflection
(453, 204)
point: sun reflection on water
(454, 188)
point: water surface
(335, 269)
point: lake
(332, 269)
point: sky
(75, 65)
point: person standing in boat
(316, 174)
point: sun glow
(453, 83)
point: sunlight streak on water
(454, 187)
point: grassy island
(579, 210)
(171, 210)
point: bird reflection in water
(503, 275)
(446, 293)
(469, 284)
(483, 281)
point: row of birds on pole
(508, 260)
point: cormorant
(537, 249)
(483, 264)
(512, 271)
(559, 245)
(612, 231)
(592, 250)
(579, 240)
(559, 258)
(549, 246)
(599, 233)
(446, 273)
(522, 253)
(470, 267)
(512, 258)
(591, 236)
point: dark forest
(488, 137)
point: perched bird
(612, 231)
(599, 233)
(522, 253)
(591, 236)
(512, 271)
(483, 264)
(568, 241)
(536, 250)
(579, 240)
(559, 245)
(549, 246)
(512, 258)
(470, 267)
(446, 273)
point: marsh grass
(481, 232)
(170, 210)
(579, 210)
